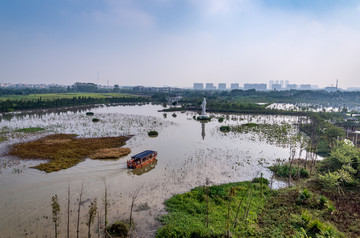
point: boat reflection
(143, 169)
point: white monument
(203, 111)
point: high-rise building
(198, 86)
(276, 86)
(210, 86)
(291, 86)
(234, 86)
(277, 82)
(271, 82)
(222, 86)
(256, 86)
(305, 86)
(282, 83)
(286, 83)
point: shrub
(221, 119)
(258, 180)
(304, 196)
(89, 114)
(153, 133)
(95, 120)
(225, 128)
(118, 229)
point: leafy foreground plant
(63, 150)
(211, 211)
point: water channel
(188, 152)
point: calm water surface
(188, 153)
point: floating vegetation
(153, 133)
(89, 114)
(30, 129)
(221, 119)
(225, 128)
(174, 115)
(2, 139)
(110, 153)
(280, 134)
(63, 151)
(95, 120)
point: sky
(179, 42)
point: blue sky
(176, 43)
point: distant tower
(337, 83)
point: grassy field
(53, 96)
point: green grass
(53, 96)
(187, 215)
(30, 129)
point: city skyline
(176, 43)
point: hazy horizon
(177, 43)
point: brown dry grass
(63, 150)
(111, 153)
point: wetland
(190, 153)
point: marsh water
(189, 152)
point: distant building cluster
(276, 85)
(27, 85)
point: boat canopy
(143, 154)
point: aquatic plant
(95, 120)
(221, 119)
(63, 150)
(89, 114)
(153, 133)
(110, 153)
(225, 128)
(30, 129)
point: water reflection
(143, 169)
(203, 130)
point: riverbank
(249, 209)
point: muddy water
(188, 153)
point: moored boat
(141, 159)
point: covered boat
(141, 159)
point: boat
(141, 159)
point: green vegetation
(221, 119)
(95, 120)
(225, 128)
(89, 114)
(283, 171)
(153, 133)
(118, 229)
(30, 129)
(215, 211)
(32, 101)
(63, 150)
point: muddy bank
(62, 151)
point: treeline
(27, 91)
(337, 98)
(12, 105)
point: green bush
(225, 128)
(89, 114)
(153, 133)
(118, 229)
(95, 120)
(221, 119)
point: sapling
(91, 215)
(78, 218)
(55, 213)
